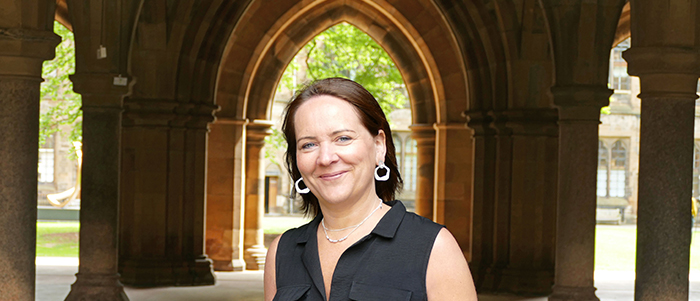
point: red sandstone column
(226, 194)
(254, 242)
(579, 116)
(20, 76)
(453, 176)
(424, 135)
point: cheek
(304, 163)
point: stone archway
(256, 55)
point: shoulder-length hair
(371, 116)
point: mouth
(332, 175)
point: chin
(334, 196)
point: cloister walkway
(55, 275)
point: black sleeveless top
(388, 264)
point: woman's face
(336, 154)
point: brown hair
(371, 116)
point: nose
(327, 154)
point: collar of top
(386, 227)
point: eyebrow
(332, 134)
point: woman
(362, 244)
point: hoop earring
(385, 176)
(299, 190)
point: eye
(343, 139)
(307, 145)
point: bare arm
(448, 276)
(270, 281)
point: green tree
(345, 51)
(61, 105)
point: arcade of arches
(505, 97)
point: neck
(339, 216)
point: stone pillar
(453, 180)
(503, 153)
(424, 134)
(254, 242)
(514, 209)
(164, 180)
(484, 150)
(668, 76)
(579, 116)
(226, 193)
(98, 277)
(20, 76)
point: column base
(534, 282)
(97, 287)
(255, 257)
(157, 272)
(573, 293)
(235, 265)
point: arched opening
(252, 64)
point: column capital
(424, 134)
(538, 122)
(479, 121)
(666, 72)
(23, 50)
(149, 112)
(257, 130)
(99, 89)
(580, 102)
(197, 115)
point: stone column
(503, 156)
(668, 76)
(20, 76)
(254, 241)
(424, 134)
(484, 150)
(226, 193)
(579, 116)
(97, 277)
(453, 180)
(164, 181)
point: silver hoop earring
(385, 176)
(299, 190)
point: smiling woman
(341, 156)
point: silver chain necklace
(355, 227)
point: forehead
(325, 112)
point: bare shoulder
(448, 276)
(270, 281)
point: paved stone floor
(55, 275)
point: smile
(332, 176)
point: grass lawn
(616, 245)
(57, 239)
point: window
(619, 79)
(410, 165)
(696, 170)
(46, 161)
(602, 184)
(612, 168)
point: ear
(380, 146)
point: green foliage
(62, 105)
(345, 51)
(274, 143)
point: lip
(332, 175)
